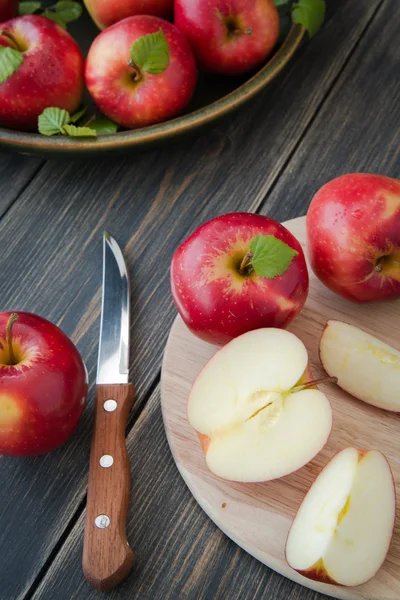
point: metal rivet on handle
(106, 460)
(110, 405)
(102, 521)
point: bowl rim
(25, 142)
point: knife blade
(107, 557)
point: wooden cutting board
(258, 516)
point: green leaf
(271, 256)
(103, 126)
(151, 53)
(10, 61)
(73, 131)
(310, 14)
(68, 10)
(280, 2)
(76, 116)
(52, 120)
(53, 16)
(28, 8)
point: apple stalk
(10, 323)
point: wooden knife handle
(107, 557)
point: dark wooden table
(335, 110)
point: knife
(107, 557)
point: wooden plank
(15, 173)
(357, 129)
(180, 553)
(150, 202)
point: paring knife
(107, 557)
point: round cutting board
(258, 516)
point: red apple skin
(43, 396)
(352, 222)
(214, 300)
(208, 25)
(107, 12)
(8, 9)
(154, 98)
(51, 73)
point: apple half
(364, 366)
(255, 414)
(342, 531)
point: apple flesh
(364, 366)
(256, 418)
(353, 230)
(8, 9)
(43, 385)
(216, 298)
(107, 12)
(228, 37)
(342, 531)
(131, 97)
(51, 73)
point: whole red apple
(43, 385)
(8, 9)
(229, 37)
(141, 71)
(238, 272)
(353, 229)
(48, 71)
(107, 12)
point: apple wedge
(342, 531)
(364, 366)
(254, 411)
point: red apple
(8, 9)
(50, 74)
(133, 94)
(217, 282)
(353, 228)
(107, 12)
(229, 37)
(43, 385)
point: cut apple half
(255, 418)
(365, 367)
(342, 531)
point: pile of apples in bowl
(157, 69)
(237, 282)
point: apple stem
(137, 73)
(308, 384)
(13, 317)
(12, 39)
(246, 261)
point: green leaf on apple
(78, 115)
(52, 120)
(151, 53)
(280, 2)
(68, 10)
(53, 16)
(310, 14)
(10, 61)
(270, 256)
(74, 131)
(28, 8)
(103, 126)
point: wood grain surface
(107, 556)
(51, 252)
(258, 516)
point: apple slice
(256, 418)
(364, 366)
(342, 531)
